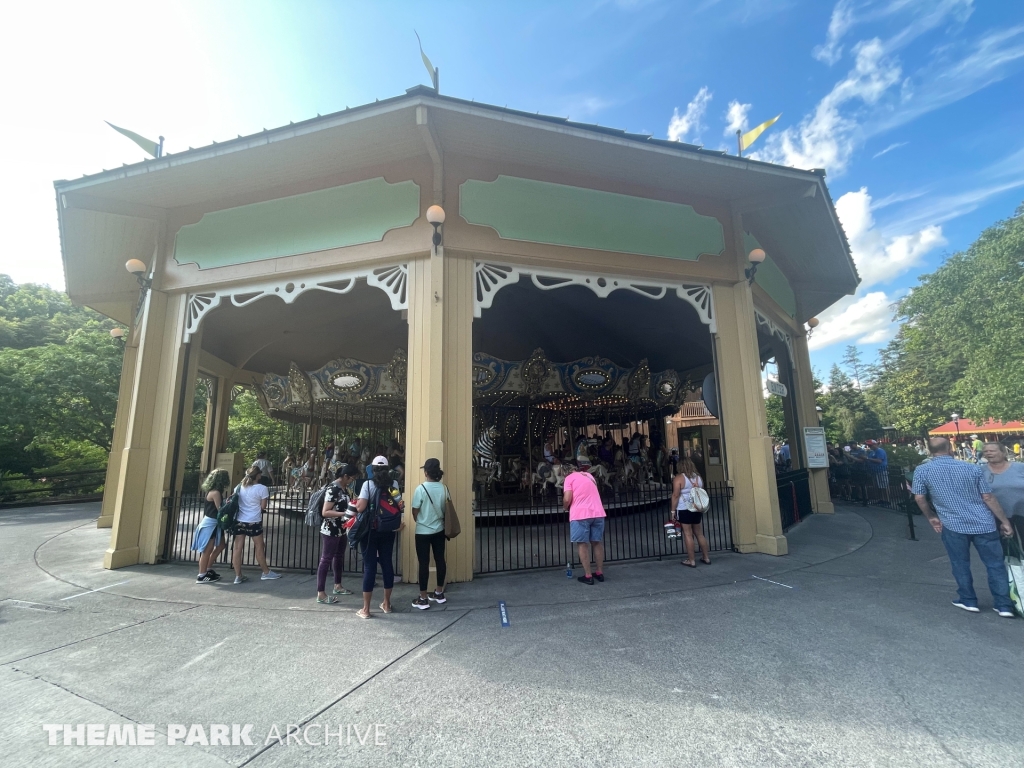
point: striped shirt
(955, 488)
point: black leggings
(424, 543)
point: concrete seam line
(93, 637)
(358, 685)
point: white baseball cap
(380, 461)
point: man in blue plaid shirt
(967, 514)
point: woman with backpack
(208, 540)
(332, 532)
(252, 502)
(428, 504)
(688, 515)
(378, 543)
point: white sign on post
(776, 387)
(817, 452)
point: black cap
(346, 469)
(431, 465)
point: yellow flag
(426, 61)
(750, 136)
(150, 146)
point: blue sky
(913, 107)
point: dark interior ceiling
(572, 322)
(317, 327)
(568, 323)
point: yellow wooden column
(439, 396)
(805, 403)
(124, 398)
(144, 467)
(757, 525)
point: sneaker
(421, 603)
(586, 580)
(213, 573)
(240, 579)
(269, 575)
(1006, 614)
(206, 578)
(438, 597)
(599, 576)
(968, 608)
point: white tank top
(684, 496)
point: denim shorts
(587, 529)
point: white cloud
(736, 117)
(826, 138)
(858, 319)
(889, 149)
(681, 126)
(878, 258)
(841, 21)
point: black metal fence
(889, 489)
(518, 532)
(794, 497)
(17, 489)
(290, 543)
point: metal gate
(518, 532)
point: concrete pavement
(844, 653)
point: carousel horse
(485, 450)
(543, 477)
(602, 476)
(561, 471)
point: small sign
(503, 611)
(817, 452)
(777, 388)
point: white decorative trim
(775, 330)
(492, 277)
(391, 279)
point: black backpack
(227, 516)
(365, 520)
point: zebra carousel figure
(486, 461)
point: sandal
(343, 591)
(326, 600)
(362, 615)
(689, 564)
(706, 561)
(386, 610)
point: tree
(852, 360)
(59, 375)
(776, 418)
(846, 414)
(961, 345)
(250, 430)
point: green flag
(150, 146)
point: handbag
(452, 528)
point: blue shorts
(588, 529)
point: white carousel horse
(543, 477)
(561, 471)
(602, 476)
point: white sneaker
(1004, 614)
(269, 575)
(968, 608)
(240, 579)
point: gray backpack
(314, 510)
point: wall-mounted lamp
(435, 216)
(811, 325)
(819, 411)
(117, 334)
(138, 268)
(756, 256)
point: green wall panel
(772, 279)
(328, 218)
(555, 214)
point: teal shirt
(431, 516)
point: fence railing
(21, 489)
(889, 489)
(794, 497)
(290, 543)
(518, 531)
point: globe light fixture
(435, 217)
(136, 266)
(117, 333)
(756, 257)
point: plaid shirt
(955, 488)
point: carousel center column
(439, 400)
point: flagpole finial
(739, 143)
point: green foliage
(961, 347)
(59, 375)
(250, 430)
(846, 413)
(776, 418)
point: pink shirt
(586, 500)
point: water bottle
(568, 570)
